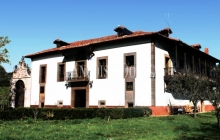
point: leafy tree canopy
(3, 51)
(190, 86)
(4, 77)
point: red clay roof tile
(88, 42)
(84, 43)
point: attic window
(121, 31)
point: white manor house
(127, 69)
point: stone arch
(20, 93)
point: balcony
(171, 71)
(75, 76)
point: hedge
(76, 113)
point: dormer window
(121, 31)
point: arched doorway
(19, 96)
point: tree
(214, 95)
(3, 51)
(4, 87)
(189, 86)
(4, 77)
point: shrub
(76, 113)
(147, 111)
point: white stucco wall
(112, 89)
(54, 90)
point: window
(80, 69)
(60, 103)
(130, 104)
(42, 104)
(130, 65)
(129, 86)
(102, 67)
(42, 95)
(101, 104)
(102, 63)
(129, 60)
(41, 89)
(43, 69)
(61, 72)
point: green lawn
(151, 128)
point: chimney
(60, 43)
(166, 32)
(121, 31)
(206, 50)
(196, 46)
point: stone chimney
(206, 50)
(121, 31)
(196, 46)
(166, 32)
(60, 43)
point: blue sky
(33, 25)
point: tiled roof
(42, 52)
(84, 43)
(88, 42)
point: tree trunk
(194, 111)
(217, 116)
(194, 105)
(219, 123)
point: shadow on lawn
(205, 132)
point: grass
(150, 128)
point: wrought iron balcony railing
(77, 75)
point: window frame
(59, 73)
(100, 104)
(42, 95)
(98, 66)
(84, 68)
(130, 67)
(59, 103)
(42, 87)
(126, 86)
(40, 74)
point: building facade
(124, 70)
